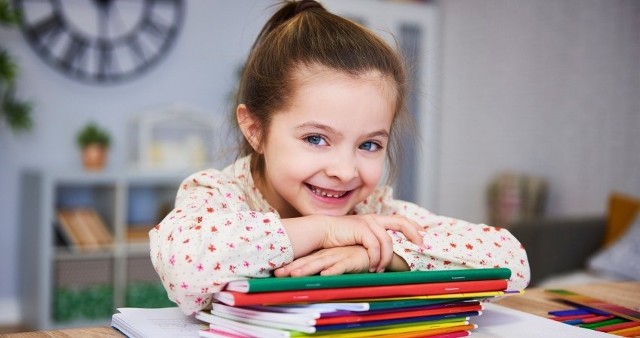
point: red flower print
(446, 262)
(469, 246)
(199, 267)
(453, 245)
(199, 219)
(217, 267)
(209, 209)
(184, 285)
(266, 221)
(214, 229)
(497, 244)
(172, 260)
(212, 248)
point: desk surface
(534, 301)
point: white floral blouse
(222, 228)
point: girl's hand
(332, 261)
(310, 233)
(370, 231)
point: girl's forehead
(341, 100)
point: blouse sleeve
(212, 237)
(453, 244)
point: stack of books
(439, 303)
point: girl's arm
(452, 244)
(212, 237)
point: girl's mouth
(327, 193)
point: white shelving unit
(48, 266)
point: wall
(550, 88)
(547, 87)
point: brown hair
(303, 33)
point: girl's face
(325, 152)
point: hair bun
(304, 5)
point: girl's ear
(249, 126)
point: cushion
(621, 259)
(621, 212)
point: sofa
(561, 245)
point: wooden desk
(538, 302)
(534, 301)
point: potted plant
(94, 143)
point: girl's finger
(410, 229)
(386, 244)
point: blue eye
(370, 146)
(315, 140)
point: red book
(397, 315)
(234, 298)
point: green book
(274, 284)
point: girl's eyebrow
(317, 125)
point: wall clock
(101, 41)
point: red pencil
(619, 326)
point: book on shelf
(369, 279)
(137, 233)
(84, 229)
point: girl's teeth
(319, 192)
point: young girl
(320, 102)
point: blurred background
(526, 111)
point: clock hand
(104, 12)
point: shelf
(70, 286)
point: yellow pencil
(628, 332)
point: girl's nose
(342, 166)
